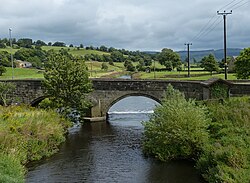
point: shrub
(177, 129)
(226, 158)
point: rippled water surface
(111, 152)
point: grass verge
(27, 134)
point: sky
(145, 25)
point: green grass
(95, 67)
(182, 75)
(96, 71)
(27, 134)
(22, 73)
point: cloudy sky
(130, 24)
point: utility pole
(11, 55)
(188, 53)
(154, 69)
(225, 38)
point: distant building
(22, 64)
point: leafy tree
(104, 66)
(81, 45)
(5, 59)
(111, 49)
(40, 43)
(242, 64)
(141, 65)
(5, 90)
(49, 44)
(179, 68)
(147, 60)
(2, 70)
(117, 56)
(61, 44)
(209, 63)
(67, 82)
(25, 43)
(168, 58)
(103, 48)
(2, 45)
(177, 129)
(168, 65)
(129, 65)
(71, 45)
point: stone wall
(27, 91)
(239, 89)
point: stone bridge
(109, 91)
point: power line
(211, 24)
(224, 7)
(231, 7)
(208, 28)
(241, 5)
(212, 28)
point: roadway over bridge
(109, 91)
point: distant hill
(219, 54)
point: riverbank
(214, 134)
(27, 134)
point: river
(107, 152)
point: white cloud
(130, 24)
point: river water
(107, 152)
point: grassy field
(201, 75)
(72, 50)
(93, 67)
(96, 71)
(22, 73)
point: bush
(226, 158)
(177, 129)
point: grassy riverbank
(215, 135)
(27, 134)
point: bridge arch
(119, 98)
(36, 101)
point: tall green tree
(209, 63)
(67, 82)
(242, 64)
(169, 59)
